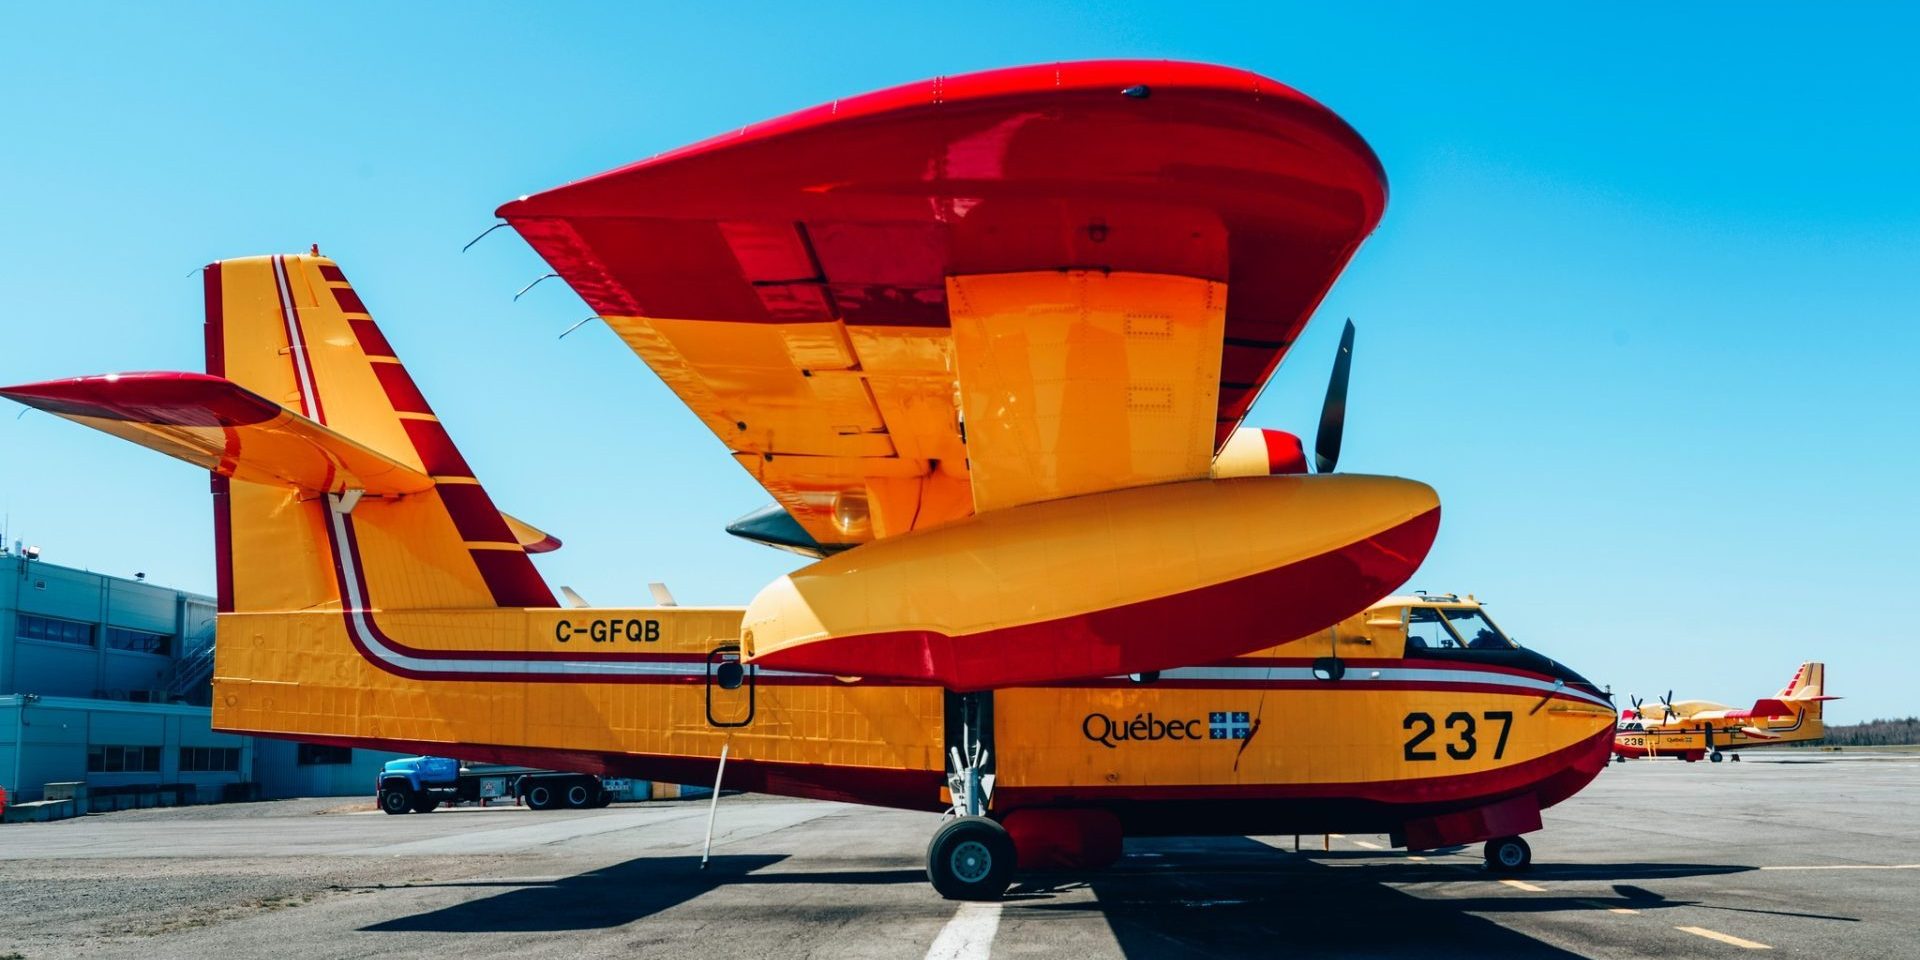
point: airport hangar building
(108, 682)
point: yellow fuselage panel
(420, 676)
(1245, 735)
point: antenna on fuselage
(661, 595)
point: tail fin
(334, 482)
(1809, 683)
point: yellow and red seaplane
(988, 342)
(1701, 729)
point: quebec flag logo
(1224, 725)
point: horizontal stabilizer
(217, 424)
(1765, 708)
(531, 538)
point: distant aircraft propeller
(1333, 413)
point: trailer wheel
(395, 801)
(971, 858)
(540, 796)
(580, 793)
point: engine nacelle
(1254, 452)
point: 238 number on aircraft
(1461, 741)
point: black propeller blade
(1333, 414)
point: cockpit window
(1476, 630)
(1425, 630)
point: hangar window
(141, 641)
(51, 629)
(319, 755)
(118, 759)
(209, 759)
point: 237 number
(1461, 729)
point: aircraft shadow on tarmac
(612, 896)
(1168, 898)
(1239, 897)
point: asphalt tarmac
(1795, 852)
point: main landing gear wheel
(395, 801)
(1508, 855)
(970, 858)
(1714, 756)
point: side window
(1425, 631)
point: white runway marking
(1724, 938)
(969, 935)
(1369, 846)
(1852, 866)
(1523, 885)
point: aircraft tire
(971, 858)
(395, 801)
(1714, 756)
(1508, 855)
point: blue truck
(422, 784)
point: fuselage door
(730, 696)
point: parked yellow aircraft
(988, 341)
(1692, 729)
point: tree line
(1874, 733)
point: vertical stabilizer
(292, 330)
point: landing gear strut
(970, 857)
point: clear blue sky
(1642, 307)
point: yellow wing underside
(1045, 384)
